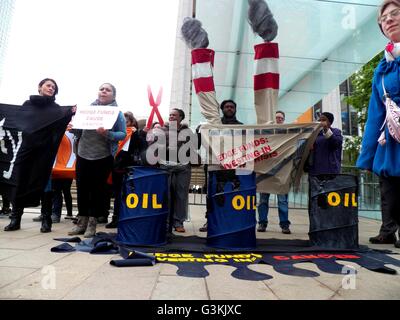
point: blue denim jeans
(283, 209)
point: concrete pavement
(28, 270)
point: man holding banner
(229, 109)
(283, 208)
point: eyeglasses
(394, 14)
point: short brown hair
(382, 8)
(279, 111)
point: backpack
(392, 119)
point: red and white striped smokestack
(266, 81)
(203, 80)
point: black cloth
(32, 134)
(91, 182)
(134, 155)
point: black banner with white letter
(29, 140)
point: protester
(47, 89)
(326, 153)
(62, 177)
(229, 109)
(380, 151)
(283, 208)
(179, 170)
(95, 155)
(135, 145)
(61, 187)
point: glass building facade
(6, 11)
(321, 44)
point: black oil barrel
(333, 211)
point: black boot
(15, 223)
(47, 205)
(113, 224)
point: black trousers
(6, 202)
(117, 179)
(390, 202)
(62, 187)
(91, 183)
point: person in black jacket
(124, 159)
(228, 108)
(43, 102)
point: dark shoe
(204, 228)
(262, 227)
(286, 230)
(69, 216)
(113, 224)
(46, 225)
(102, 220)
(5, 211)
(55, 219)
(397, 244)
(38, 219)
(15, 223)
(379, 239)
(180, 229)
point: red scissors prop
(154, 105)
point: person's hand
(102, 131)
(69, 126)
(133, 130)
(325, 125)
(145, 129)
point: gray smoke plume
(193, 34)
(261, 20)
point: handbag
(392, 119)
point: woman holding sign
(95, 155)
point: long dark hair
(129, 115)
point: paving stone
(111, 283)
(55, 281)
(26, 263)
(36, 258)
(7, 253)
(293, 287)
(222, 286)
(179, 288)
(9, 275)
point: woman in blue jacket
(383, 158)
(94, 162)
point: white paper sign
(93, 117)
(126, 145)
